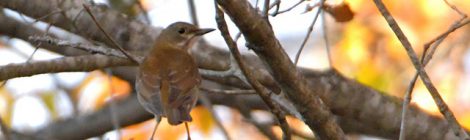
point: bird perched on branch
(168, 78)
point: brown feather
(168, 78)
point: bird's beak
(203, 31)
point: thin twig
(245, 111)
(108, 36)
(261, 90)
(288, 9)
(425, 58)
(450, 30)
(158, 119)
(325, 39)
(192, 12)
(256, 5)
(266, 9)
(229, 92)
(278, 6)
(237, 36)
(455, 9)
(277, 3)
(443, 108)
(309, 31)
(23, 18)
(85, 47)
(234, 70)
(74, 20)
(208, 104)
(30, 57)
(40, 18)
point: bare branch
(325, 39)
(425, 58)
(115, 44)
(229, 92)
(456, 9)
(260, 89)
(266, 9)
(443, 108)
(64, 64)
(261, 39)
(288, 9)
(88, 48)
(277, 3)
(192, 12)
(309, 31)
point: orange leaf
(202, 118)
(341, 12)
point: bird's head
(182, 34)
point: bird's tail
(178, 115)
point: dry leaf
(341, 12)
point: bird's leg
(157, 119)
(187, 130)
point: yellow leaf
(49, 100)
(6, 106)
(202, 118)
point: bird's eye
(181, 31)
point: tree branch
(97, 123)
(262, 40)
(64, 64)
(443, 108)
(260, 89)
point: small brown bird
(168, 78)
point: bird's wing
(148, 89)
(182, 83)
(182, 86)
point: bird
(168, 77)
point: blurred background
(363, 48)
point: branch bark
(64, 64)
(260, 89)
(259, 34)
(97, 123)
(14, 28)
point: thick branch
(260, 89)
(259, 34)
(97, 123)
(64, 64)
